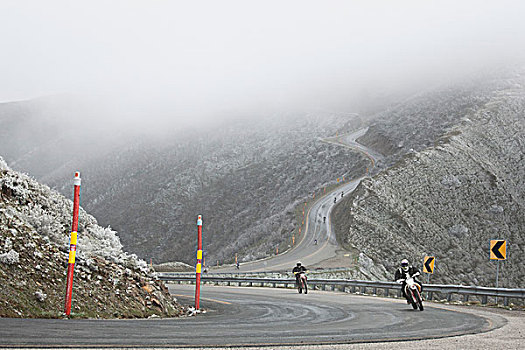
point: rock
(41, 297)
(496, 209)
(156, 302)
(458, 230)
(148, 288)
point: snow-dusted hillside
(34, 243)
(244, 177)
(450, 199)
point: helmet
(298, 263)
(404, 264)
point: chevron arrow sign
(498, 250)
(428, 264)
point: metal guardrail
(357, 286)
(256, 273)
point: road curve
(254, 316)
(317, 230)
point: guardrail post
(465, 298)
(387, 291)
(484, 299)
(399, 293)
(375, 290)
(506, 301)
(353, 289)
(449, 296)
(363, 290)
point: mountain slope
(244, 177)
(449, 200)
(34, 245)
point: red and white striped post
(199, 260)
(73, 244)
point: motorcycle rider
(405, 271)
(297, 271)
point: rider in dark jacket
(297, 271)
(404, 271)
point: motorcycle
(302, 285)
(413, 293)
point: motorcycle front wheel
(419, 302)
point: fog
(192, 61)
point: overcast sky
(206, 56)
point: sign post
(198, 267)
(498, 251)
(72, 244)
(428, 267)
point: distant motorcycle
(413, 293)
(302, 283)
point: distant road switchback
(316, 229)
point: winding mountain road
(318, 243)
(278, 317)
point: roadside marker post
(72, 244)
(498, 251)
(198, 267)
(428, 267)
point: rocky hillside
(461, 184)
(34, 244)
(245, 177)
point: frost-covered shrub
(3, 164)
(49, 214)
(9, 258)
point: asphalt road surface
(318, 242)
(255, 316)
